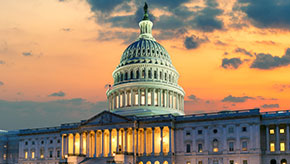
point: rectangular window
(142, 97)
(188, 133)
(244, 129)
(32, 154)
(50, 154)
(231, 146)
(188, 148)
(215, 162)
(245, 162)
(282, 146)
(26, 154)
(4, 157)
(129, 98)
(162, 98)
(244, 146)
(272, 146)
(136, 98)
(156, 98)
(126, 98)
(42, 153)
(282, 131)
(199, 148)
(188, 162)
(272, 131)
(199, 162)
(199, 132)
(117, 101)
(231, 130)
(58, 154)
(121, 100)
(149, 101)
(232, 161)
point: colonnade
(108, 142)
(277, 138)
(146, 97)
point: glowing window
(282, 146)
(165, 162)
(282, 131)
(25, 154)
(272, 147)
(4, 157)
(215, 145)
(129, 98)
(148, 162)
(121, 100)
(136, 98)
(156, 98)
(142, 98)
(244, 146)
(42, 153)
(199, 147)
(188, 162)
(156, 162)
(32, 154)
(272, 131)
(149, 101)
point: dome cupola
(145, 81)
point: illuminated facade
(145, 124)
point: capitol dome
(145, 81)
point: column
(153, 151)
(117, 147)
(277, 139)
(170, 141)
(62, 145)
(267, 138)
(103, 131)
(81, 143)
(110, 142)
(126, 140)
(139, 97)
(133, 133)
(67, 143)
(153, 98)
(161, 141)
(146, 97)
(238, 137)
(88, 144)
(287, 138)
(95, 152)
(145, 152)
(137, 141)
(159, 97)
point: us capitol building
(145, 124)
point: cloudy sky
(56, 56)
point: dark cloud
(193, 98)
(231, 63)
(267, 13)
(234, 99)
(66, 29)
(2, 62)
(270, 106)
(127, 37)
(26, 53)
(220, 43)
(31, 114)
(267, 61)
(193, 42)
(204, 19)
(57, 94)
(243, 51)
(281, 87)
(267, 42)
(1, 83)
(263, 98)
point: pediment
(106, 117)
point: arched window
(140, 162)
(131, 75)
(143, 73)
(165, 162)
(137, 74)
(283, 161)
(155, 74)
(121, 76)
(149, 74)
(156, 162)
(126, 76)
(215, 145)
(148, 162)
(273, 161)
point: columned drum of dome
(145, 81)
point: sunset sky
(56, 56)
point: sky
(57, 56)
